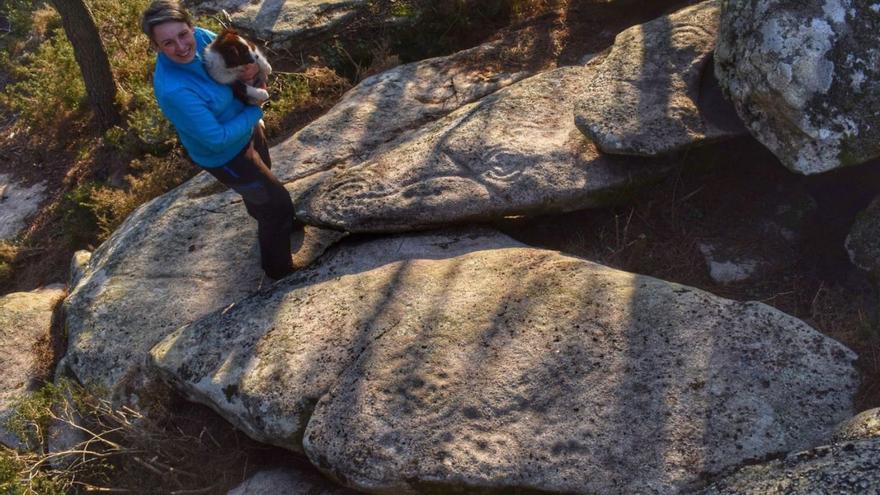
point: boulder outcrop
(174, 259)
(25, 320)
(467, 361)
(462, 360)
(804, 77)
(863, 241)
(645, 97)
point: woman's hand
(248, 73)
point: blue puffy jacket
(212, 124)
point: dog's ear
(233, 48)
(228, 35)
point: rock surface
(174, 259)
(474, 362)
(382, 107)
(863, 426)
(282, 22)
(845, 468)
(644, 98)
(271, 396)
(79, 265)
(25, 319)
(193, 250)
(863, 241)
(288, 481)
(17, 203)
(516, 151)
(804, 77)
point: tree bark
(79, 25)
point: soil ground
(722, 193)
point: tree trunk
(79, 25)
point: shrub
(151, 176)
(78, 219)
(291, 92)
(46, 76)
(153, 133)
(16, 478)
(45, 92)
(8, 254)
(28, 472)
(288, 91)
(438, 28)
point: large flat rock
(470, 362)
(645, 97)
(268, 387)
(282, 22)
(193, 250)
(25, 321)
(516, 151)
(387, 105)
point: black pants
(266, 201)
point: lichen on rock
(805, 78)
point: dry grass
(299, 97)
(8, 254)
(120, 450)
(525, 9)
(150, 177)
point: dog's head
(235, 50)
(226, 54)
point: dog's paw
(256, 96)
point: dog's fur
(224, 59)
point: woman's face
(175, 39)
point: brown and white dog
(224, 60)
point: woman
(221, 134)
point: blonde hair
(161, 11)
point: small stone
(724, 270)
(863, 426)
(288, 481)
